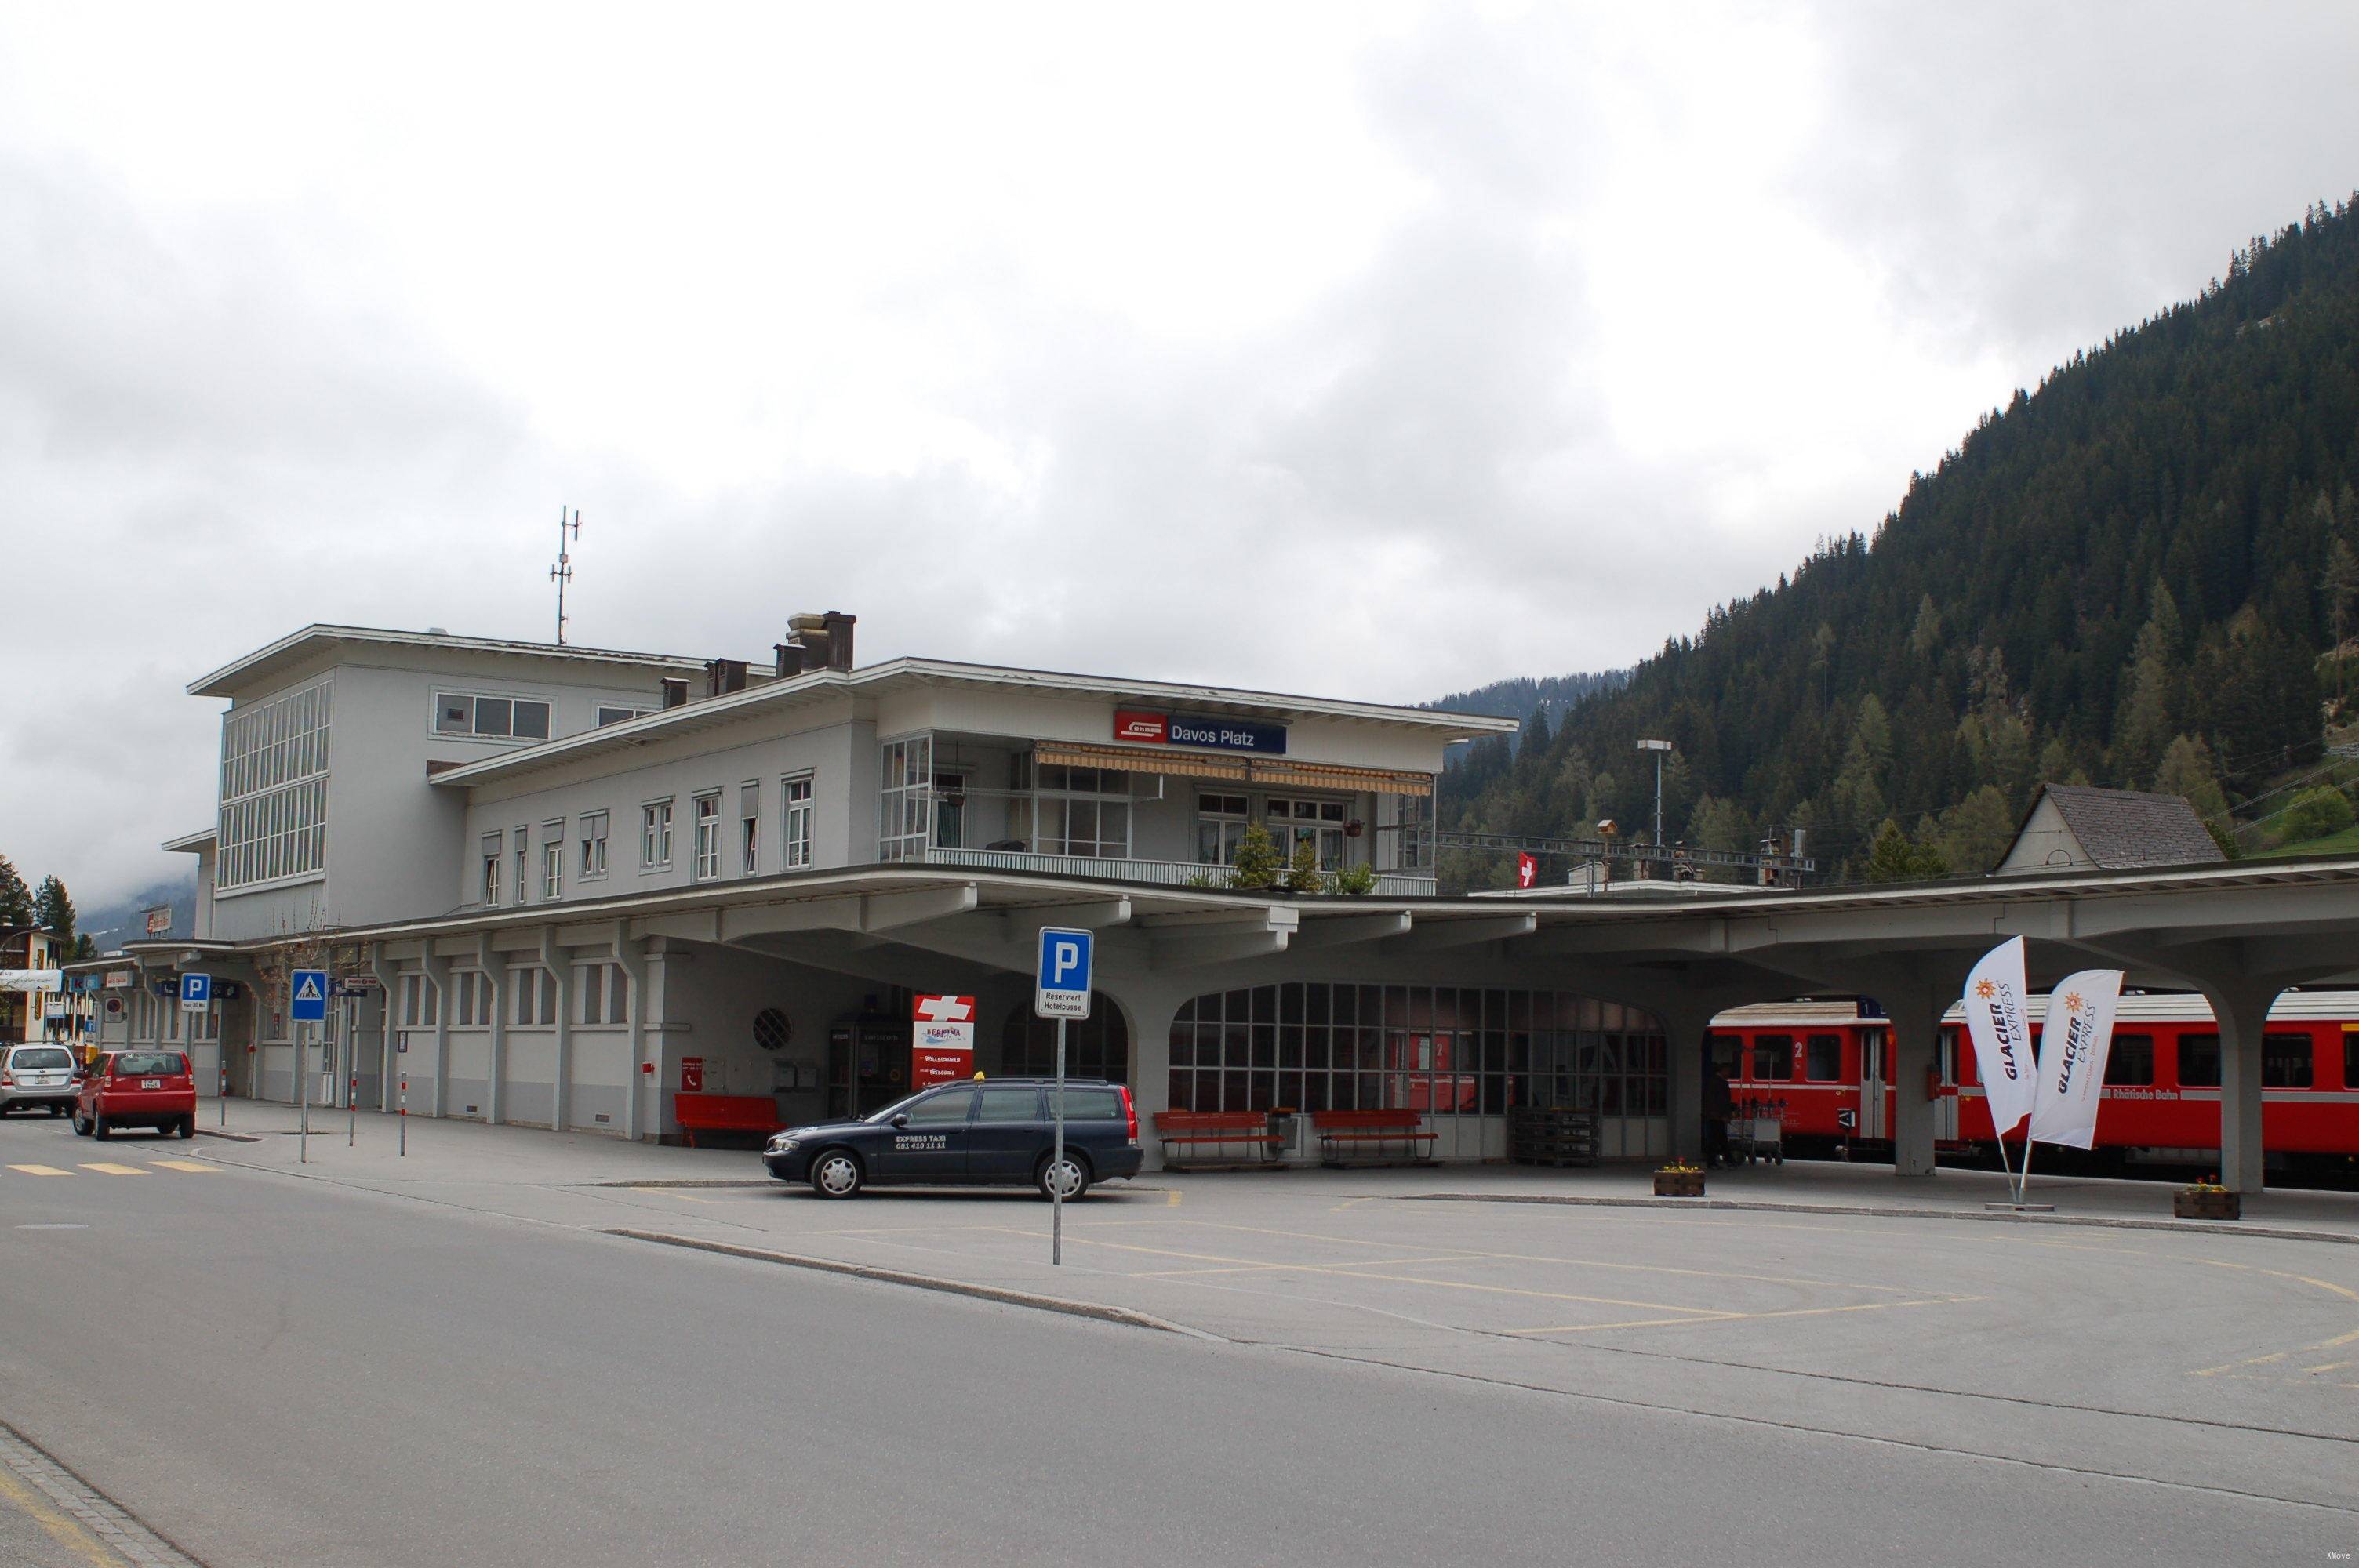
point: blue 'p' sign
(1062, 973)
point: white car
(36, 1076)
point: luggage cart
(1757, 1132)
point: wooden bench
(1372, 1137)
(724, 1113)
(1248, 1130)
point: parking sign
(196, 992)
(1063, 974)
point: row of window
(2287, 1061)
(494, 717)
(511, 869)
(601, 995)
(274, 795)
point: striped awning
(1172, 762)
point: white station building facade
(559, 887)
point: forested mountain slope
(2128, 577)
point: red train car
(1831, 1071)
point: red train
(1832, 1071)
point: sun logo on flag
(1987, 988)
(2073, 1001)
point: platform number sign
(309, 1004)
(196, 992)
(1063, 973)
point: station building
(561, 886)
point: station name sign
(1142, 728)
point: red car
(136, 1088)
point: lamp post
(1659, 748)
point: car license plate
(151, 1083)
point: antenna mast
(563, 572)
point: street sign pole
(1056, 1162)
(307, 1003)
(303, 1077)
(1062, 976)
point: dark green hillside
(2128, 577)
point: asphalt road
(273, 1371)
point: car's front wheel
(836, 1174)
(81, 1123)
(1068, 1178)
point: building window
(474, 998)
(655, 834)
(536, 997)
(1318, 822)
(420, 1002)
(273, 789)
(491, 869)
(604, 990)
(749, 828)
(1081, 812)
(902, 818)
(798, 845)
(607, 715)
(1220, 827)
(593, 846)
(491, 717)
(522, 841)
(708, 837)
(552, 870)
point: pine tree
(54, 910)
(15, 898)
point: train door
(1875, 1083)
(1945, 1103)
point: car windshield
(40, 1057)
(133, 1064)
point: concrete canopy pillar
(559, 962)
(438, 974)
(495, 976)
(1916, 1013)
(2242, 1011)
(1148, 1010)
(1686, 1026)
(630, 955)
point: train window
(2132, 1062)
(1727, 1054)
(1773, 1057)
(1822, 1058)
(2285, 1062)
(2350, 1059)
(2199, 1061)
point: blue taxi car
(996, 1132)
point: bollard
(351, 1108)
(402, 1121)
(225, 1086)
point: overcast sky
(1369, 351)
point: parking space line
(1251, 1268)
(1744, 1316)
(40, 1170)
(202, 1170)
(106, 1169)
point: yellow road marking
(1171, 1198)
(1253, 1268)
(64, 1529)
(667, 1192)
(200, 1169)
(112, 1169)
(40, 1170)
(2332, 1367)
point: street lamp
(1659, 748)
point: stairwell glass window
(796, 848)
(903, 817)
(654, 835)
(593, 846)
(708, 837)
(273, 789)
(491, 717)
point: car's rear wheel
(187, 1128)
(101, 1128)
(1068, 1178)
(837, 1174)
(59, 1107)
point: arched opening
(1097, 1046)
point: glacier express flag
(2072, 1052)
(2002, 1039)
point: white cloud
(1326, 348)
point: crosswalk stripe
(112, 1169)
(40, 1170)
(186, 1165)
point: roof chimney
(839, 638)
(723, 677)
(790, 658)
(675, 691)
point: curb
(716, 1181)
(2184, 1227)
(1122, 1315)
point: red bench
(724, 1113)
(1372, 1137)
(1216, 1129)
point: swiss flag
(1527, 869)
(945, 1010)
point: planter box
(2207, 1205)
(1679, 1183)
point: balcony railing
(1154, 873)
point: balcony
(1152, 873)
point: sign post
(196, 999)
(1061, 990)
(308, 1003)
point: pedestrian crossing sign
(311, 994)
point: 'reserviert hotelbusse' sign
(1197, 729)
